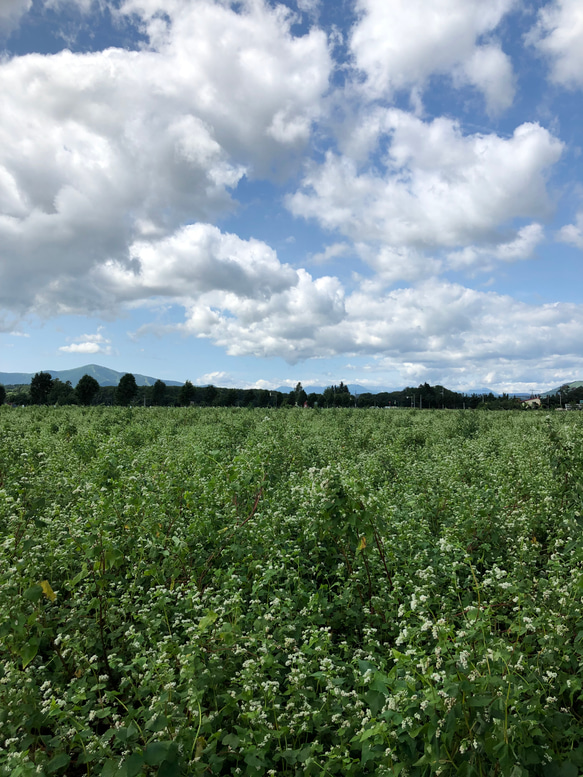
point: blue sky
(255, 193)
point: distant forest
(44, 390)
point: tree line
(46, 390)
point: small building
(532, 404)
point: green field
(295, 592)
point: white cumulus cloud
(435, 328)
(84, 348)
(400, 44)
(89, 344)
(490, 71)
(558, 35)
(521, 247)
(439, 188)
(573, 233)
(100, 150)
(198, 259)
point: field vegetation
(207, 591)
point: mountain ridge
(105, 376)
(572, 385)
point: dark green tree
(314, 399)
(86, 389)
(337, 396)
(126, 390)
(187, 394)
(300, 395)
(328, 396)
(230, 397)
(2, 394)
(40, 388)
(62, 393)
(343, 398)
(209, 394)
(158, 392)
(19, 396)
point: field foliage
(294, 592)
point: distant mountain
(479, 392)
(15, 378)
(103, 375)
(354, 388)
(573, 385)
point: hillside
(573, 385)
(103, 375)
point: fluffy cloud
(438, 188)
(459, 336)
(490, 71)
(255, 84)
(334, 251)
(218, 377)
(394, 264)
(572, 233)
(89, 344)
(197, 260)
(558, 35)
(235, 292)
(298, 323)
(98, 151)
(84, 348)
(240, 296)
(309, 6)
(522, 247)
(400, 44)
(433, 330)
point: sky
(258, 193)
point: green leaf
(29, 651)
(576, 756)
(569, 770)
(169, 769)
(157, 723)
(252, 760)
(207, 620)
(110, 768)
(113, 558)
(231, 740)
(34, 593)
(156, 752)
(77, 579)
(479, 701)
(121, 734)
(134, 764)
(60, 761)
